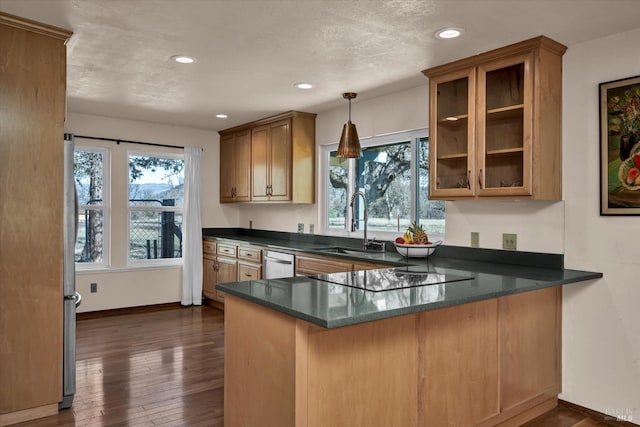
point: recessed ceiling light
(221, 116)
(183, 59)
(449, 33)
(303, 85)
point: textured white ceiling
(251, 52)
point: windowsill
(134, 267)
(379, 235)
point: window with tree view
(393, 173)
(156, 190)
(90, 166)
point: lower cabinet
(225, 262)
(485, 363)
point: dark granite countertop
(488, 274)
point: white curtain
(192, 230)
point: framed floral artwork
(620, 147)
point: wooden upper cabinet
(281, 159)
(495, 124)
(235, 172)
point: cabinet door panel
(504, 126)
(208, 277)
(452, 142)
(227, 272)
(242, 162)
(227, 168)
(280, 161)
(259, 163)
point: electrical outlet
(311, 228)
(510, 241)
(94, 288)
(301, 227)
(475, 239)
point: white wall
(601, 320)
(130, 287)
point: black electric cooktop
(391, 278)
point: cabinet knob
(480, 178)
(469, 179)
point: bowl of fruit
(415, 243)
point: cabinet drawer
(249, 272)
(250, 254)
(227, 250)
(209, 247)
(308, 265)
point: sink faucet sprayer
(366, 243)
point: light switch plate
(475, 239)
(301, 227)
(510, 241)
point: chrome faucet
(366, 243)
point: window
(90, 173)
(156, 190)
(393, 173)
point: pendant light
(349, 146)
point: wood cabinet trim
(34, 26)
(268, 120)
(540, 42)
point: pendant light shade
(349, 146)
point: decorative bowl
(625, 169)
(417, 251)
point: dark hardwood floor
(161, 368)
(165, 368)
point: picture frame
(620, 147)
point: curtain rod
(118, 141)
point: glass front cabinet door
(504, 127)
(495, 124)
(452, 140)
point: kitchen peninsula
(484, 349)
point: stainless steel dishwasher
(277, 265)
